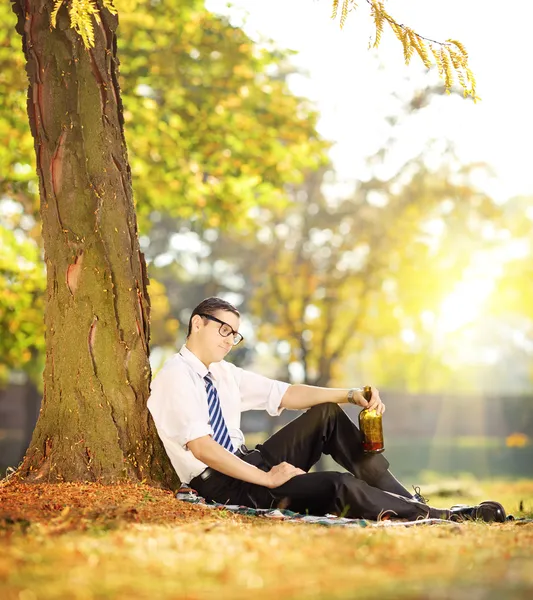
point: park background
(370, 227)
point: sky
(351, 85)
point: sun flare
(464, 305)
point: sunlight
(465, 304)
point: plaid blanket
(187, 494)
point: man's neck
(196, 351)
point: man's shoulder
(170, 380)
(174, 365)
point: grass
(139, 543)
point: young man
(197, 399)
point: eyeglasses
(225, 330)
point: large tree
(93, 422)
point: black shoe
(487, 511)
(418, 496)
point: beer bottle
(371, 427)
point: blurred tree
(334, 283)
(514, 293)
(510, 305)
(214, 128)
(344, 283)
(22, 281)
(163, 328)
(338, 278)
(17, 159)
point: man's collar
(192, 360)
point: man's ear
(196, 322)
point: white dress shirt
(178, 404)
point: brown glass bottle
(371, 427)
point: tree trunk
(93, 424)
(32, 405)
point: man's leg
(389, 483)
(343, 494)
(331, 492)
(327, 429)
(315, 494)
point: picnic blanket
(187, 494)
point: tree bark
(93, 424)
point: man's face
(214, 344)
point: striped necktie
(218, 424)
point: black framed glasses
(225, 330)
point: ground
(86, 541)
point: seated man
(197, 399)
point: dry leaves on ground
(80, 506)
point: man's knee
(349, 481)
(333, 482)
(348, 494)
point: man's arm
(206, 450)
(300, 396)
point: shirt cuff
(276, 395)
(196, 431)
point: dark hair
(209, 306)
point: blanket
(187, 494)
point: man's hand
(375, 401)
(281, 473)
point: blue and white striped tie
(220, 429)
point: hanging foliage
(450, 57)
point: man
(197, 399)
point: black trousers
(323, 429)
